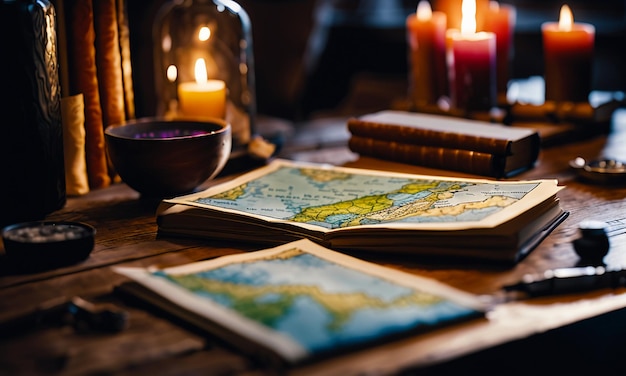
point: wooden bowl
(160, 158)
(42, 245)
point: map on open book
(301, 300)
(367, 210)
(335, 199)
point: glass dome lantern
(204, 64)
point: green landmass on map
(379, 207)
(231, 194)
(250, 300)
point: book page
(302, 300)
(324, 198)
(449, 124)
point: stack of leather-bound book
(445, 142)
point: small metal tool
(81, 314)
(602, 171)
(101, 317)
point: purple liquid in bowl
(171, 133)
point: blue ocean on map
(366, 307)
(288, 192)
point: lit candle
(426, 32)
(568, 54)
(203, 98)
(474, 62)
(501, 21)
(452, 10)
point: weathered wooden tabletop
(155, 343)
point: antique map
(308, 302)
(336, 199)
(364, 210)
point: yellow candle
(203, 98)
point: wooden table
(571, 333)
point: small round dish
(603, 171)
(42, 245)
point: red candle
(426, 38)
(568, 55)
(474, 61)
(501, 21)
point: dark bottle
(32, 176)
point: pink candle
(501, 21)
(568, 55)
(426, 38)
(474, 61)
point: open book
(360, 210)
(300, 301)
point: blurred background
(319, 57)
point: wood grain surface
(156, 343)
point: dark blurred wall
(306, 58)
(141, 16)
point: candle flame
(172, 73)
(468, 17)
(200, 72)
(424, 12)
(566, 19)
(204, 34)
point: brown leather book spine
(84, 79)
(423, 136)
(468, 161)
(127, 71)
(109, 66)
(109, 62)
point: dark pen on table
(591, 247)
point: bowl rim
(91, 230)
(224, 127)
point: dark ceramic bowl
(45, 245)
(160, 158)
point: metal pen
(569, 280)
